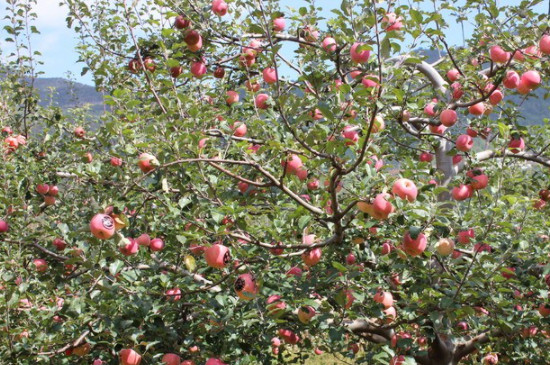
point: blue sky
(57, 43)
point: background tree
(268, 184)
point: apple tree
(271, 182)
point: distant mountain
(68, 94)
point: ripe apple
(385, 298)
(42, 189)
(219, 7)
(464, 143)
(511, 80)
(544, 44)
(480, 180)
(306, 313)
(102, 226)
(457, 159)
(275, 342)
(453, 75)
(294, 271)
(173, 294)
(182, 22)
(457, 91)
(390, 314)
(219, 72)
(79, 132)
(313, 184)
(128, 247)
(246, 287)
(463, 326)
(192, 37)
(49, 200)
(350, 259)
(171, 359)
(288, 336)
(414, 247)
(129, 357)
(292, 164)
(498, 55)
(329, 44)
(156, 244)
(261, 101)
(198, 68)
(544, 194)
(40, 265)
(59, 244)
(217, 256)
(116, 162)
(312, 257)
(279, 24)
(391, 22)
(275, 306)
(477, 109)
(445, 246)
(370, 81)
(426, 157)
(381, 207)
(175, 71)
(462, 192)
(531, 79)
(350, 134)
(429, 109)
(359, 56)
(448, 117)
(144, 240)
(516, 145)
(147, 162)
(270, 75)
(232, 97)
(496, 97)
(149, 64)
(405, 189)
(239, 129)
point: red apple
(217, 256)
(279, 24)
(426, 157)
(453, 75)
(382, 208)
(59, 244)
(391, 22)
(384, 298)
(198, 68)
(414, 247)
(79, 132)
(405, 189)
(144, 240)
(516, 145)
(448, 117)
(182, 22)
(359, 56)
(147, 162)
(464, 143)
(175, 71)
(462, 192)
(261, 101)
(288, 336)
(129, 357)
(219, 7)
(128, 247)
(42, 189)
(102, 226)
(531, 79)
(171, 359)
(239, 129)
(232, 97)
(511, 80)
(156, 244)
(477, 109)
(246, 286)
(40, 265)
(498, 55)
(329, 44)
(270, 75)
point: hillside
(68, 94)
